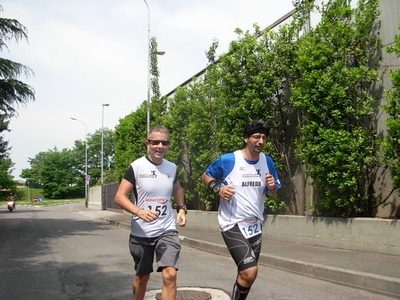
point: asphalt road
(55, 253)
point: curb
(384, 285)
(117, 223)
(374, 283)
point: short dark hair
(158, 128)
(256, 126)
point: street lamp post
(149, 65)
(86, 174)
(148, 68)
(102, 154)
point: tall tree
(391, 145)
(6, 180)
(12, 91)
(337, 65)
(4, 148)
(158, 106)
(154, 71)
(130, 135)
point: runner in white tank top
(242, 179)
(152, 179)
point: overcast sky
(88, 52)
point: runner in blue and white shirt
(242, 179)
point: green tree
(337, 65)
(131, 131)
(62, 173)
(80, 150)
(6, 165)
(60, 177)
(4, 148)
(94, 154)
(58, 172)
(32, 175)
(391, 144)
(130, 134)
(13, 92)
(6, 180)
(158, 105)
(154, 71)
(251, 82)
(189, 136)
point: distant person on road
(11, 197)
(242, 179)
(152, 179)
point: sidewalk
(368, 271)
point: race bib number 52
(250, 227)
(157, 204)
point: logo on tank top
(151, 175)
(252, 183)
(252, 175)
(159, 200)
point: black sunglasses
(157, 142)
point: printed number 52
(252, 230)
(161, 210)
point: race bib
(160, 205)
(250, 227)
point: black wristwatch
(213, 186)
(216, 189)
(179, 207)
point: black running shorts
(245, 252)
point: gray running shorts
(166, 248)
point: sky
(86, 53)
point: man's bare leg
(244, 281)
(169, 283)
(139, 286)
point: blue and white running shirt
(247, 177)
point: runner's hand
(147, 215)
(269, 181)
(181, 219)
(226, 192)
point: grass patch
(50, 202)
(27, 195)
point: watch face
(216, 189)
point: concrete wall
(94, 198)
(362, 234)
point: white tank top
(154, 184)
(248, 201)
